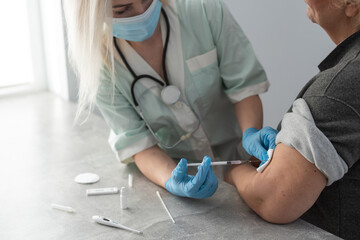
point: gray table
(41, 153)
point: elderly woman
(315, 171)
(172, 79)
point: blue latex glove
(203, 185)
(257, 143)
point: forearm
(286, 189)
(155, 164)
(266, 195)
(249, 113)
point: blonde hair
(90, 46)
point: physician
(172, 79)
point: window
(21, 51)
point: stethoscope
(170, 94)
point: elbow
(277, 218)
(277, 213)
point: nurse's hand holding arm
(258, 142)
(249, 113)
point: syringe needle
(222, 163)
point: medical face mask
(138, 28)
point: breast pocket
(205, 74)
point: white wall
(55, 55)
(287, 44)
(37, 43)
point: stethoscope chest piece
(170, 94)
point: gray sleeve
(339, 120)
(298, 130)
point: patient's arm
(285, 190)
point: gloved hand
(203, 185)
(256, 142)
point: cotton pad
(87, 178)
(262, 167)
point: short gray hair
(342, 3)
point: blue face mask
(138, 28)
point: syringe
(223, 163)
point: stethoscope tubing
(136, 77)
(163, 84)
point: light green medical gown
(212, 63)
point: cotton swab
(62, 208)
(167, 210)
(130, 180)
